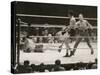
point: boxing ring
(50, 50)
(50, 55)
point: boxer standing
(83, 27)
(71, 31)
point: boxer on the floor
(29, 44)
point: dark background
(53, 10)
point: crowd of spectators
(50, 36)
(58, 66)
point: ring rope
(61, 36)
(47, 26)
(43, 16)
(64, 48)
